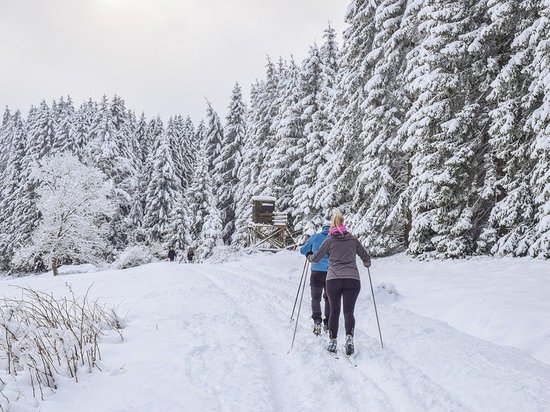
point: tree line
(428, 127)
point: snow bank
(132, 256)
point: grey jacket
(342, 249)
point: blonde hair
(337, 219)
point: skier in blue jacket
(318, 279)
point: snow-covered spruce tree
(143, 140)
(330, 66)
(443, 133)
(126, 124)
(510, 166)
(174, 137)
(379, 218)
(306, 215)
(64, 126)
(155, 132)
(41, 131)
(75, 203)
(344, 146)
(227, 163)
(259, 144)
(201, 209)
(317, 126)
(262, 131)
(162, 195)
(110, 150)
(179, 230)
(287, 155)
(186, 148)
(13, 194)
(245, 178)
(139, 197)
(213, 138)
(330, 61)
(6, 133)
(190, 147)
(200, 132)
(83, 120)
(272, 96)
(132, 143)
(489, 49)
(539, 122)
(5, 144)
(211, 234)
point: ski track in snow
(237, 360)
(403, 389)
(216, 337)
(426, 364)
(258, 300)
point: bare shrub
(42, 337)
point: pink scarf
(341, 229)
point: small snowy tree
(75, 203)
(211, 233)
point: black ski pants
(338, 290)
(317, 284)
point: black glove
(308, 254)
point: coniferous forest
(428, 126)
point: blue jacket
(312, 245)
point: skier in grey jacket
(343, 281)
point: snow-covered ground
(459, 335)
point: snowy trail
(257, 300)
(426, 365)
(215, 337)
(397, 394)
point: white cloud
(162, 56)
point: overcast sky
(161, 56)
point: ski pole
(298, 315)
(306, 264)
(375, 310)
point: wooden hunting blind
(268, 229)
(262, 209)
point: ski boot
(349, 345)
(332, 345)
(325, 327)
(317, 328)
